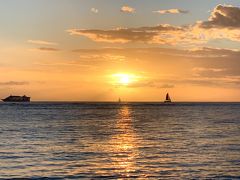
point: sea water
(120, 140)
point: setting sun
(124, 79)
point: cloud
(14, 83)
(47, 49)
(40, 42)
(169, 83)
(143, 82)
(223, 16)
(171, 11)
(205, 52)
(222, 81)
(208, 71)
(102, 57)
(198, 63)
(224, 23)
(151, 84)
(167, 86)
(225, 81)
(205, 35)
(208, 52)
(161, 34)
(64, 64)
(137, 85)
(94, 10)
(202, 69)
(127, 9)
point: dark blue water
(120, 141)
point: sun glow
(124, 79)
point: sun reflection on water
(124, 144)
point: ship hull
(167, 101)
(14, 100)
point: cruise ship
(17, 99)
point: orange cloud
(40, 42)
(207, 64)
(14, 83)
(46, 49)
(127, 9)
(171, 11)
(198, 53)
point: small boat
(16, 99)
(168, 99)
(119, 100)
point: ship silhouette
(168, 99)
(17, 99)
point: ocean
(120, 140)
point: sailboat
(168, 99)
(119, 100)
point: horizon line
(85, 101)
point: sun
(124, 79)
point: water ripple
(120, 141)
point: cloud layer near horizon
(200, 67)
(14, 83)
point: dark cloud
(223, 16)
(14, 83)
(155, 34)
(47, 49)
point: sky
(136, 50)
